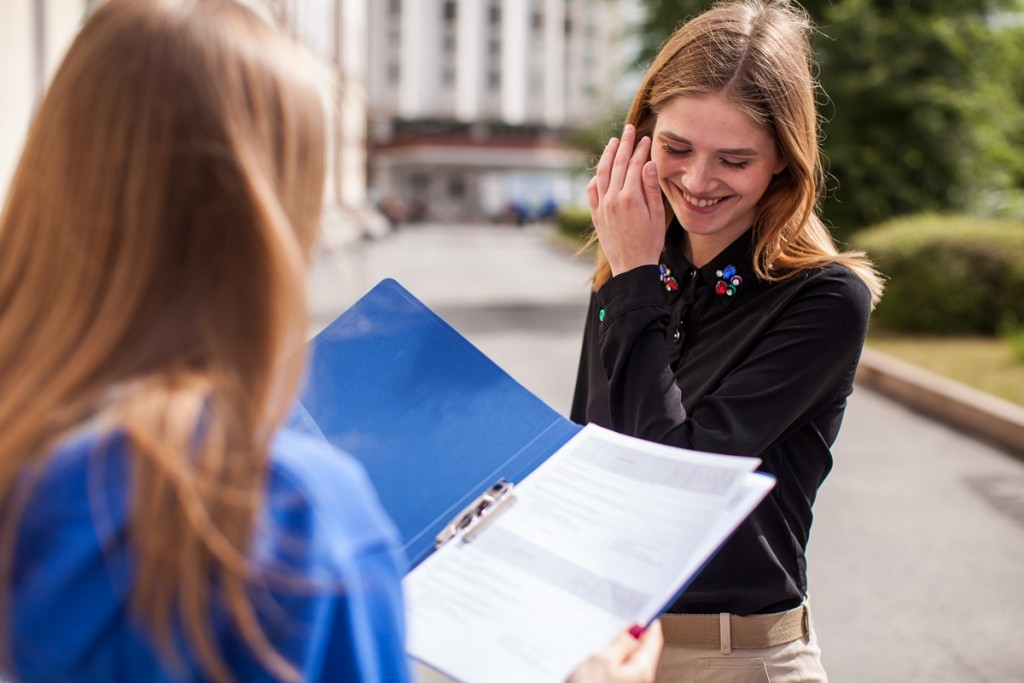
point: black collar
(728, 275)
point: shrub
(574, 223)
(1014, 338)
(948, 274)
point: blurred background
(462, 137)
(462, 110)
(491, 111)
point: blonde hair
(153, 251)
(757, 54)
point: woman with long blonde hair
(723, 318)
(160, 517)
(157, 521)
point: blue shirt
(323, 523)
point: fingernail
(636, 630)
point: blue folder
(433, 420)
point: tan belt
(727, 631)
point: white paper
(602, 535)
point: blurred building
(470, 101)
(336, 32)
(34, 35)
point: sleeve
(791, 364)
(348, 623)
(366, 625)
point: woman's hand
(626, 203)
(627, 660)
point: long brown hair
(757, 54)
(153, 250)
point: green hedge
(574, 223)
(948, 274)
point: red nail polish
(636, 630)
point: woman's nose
(698, 176)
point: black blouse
(715, 359)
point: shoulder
(836, 281)
(837, 296)
(69, 566)
(324, 496)
(325, 525)
(87, 463)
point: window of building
(419, 182)
(456, 187)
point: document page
(602, 535)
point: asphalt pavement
(916, 560)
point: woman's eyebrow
(735, 151)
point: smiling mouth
(700, 203)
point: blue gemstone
(729, 272)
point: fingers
(604, 167)
(652, 191)
(621, 648)
(619, 159)
(650, 645)
(594, 201)
(628, 658)
(636, 176)
(624, 153)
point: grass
(985, 363)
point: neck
(700, 250)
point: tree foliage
(921, 102)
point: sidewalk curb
(950, 402)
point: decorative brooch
(729, 282)
(666, 277)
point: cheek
(667, 166)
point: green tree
(921, 104)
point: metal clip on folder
(478, 514)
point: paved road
(917, 553)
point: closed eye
(675, 151)
(685, 151)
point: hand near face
(626, 203)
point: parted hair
(757, 54)
(154, 244)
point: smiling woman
(723, 318)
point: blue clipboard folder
(433, 420)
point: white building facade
(35, 34)
(470, 100)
